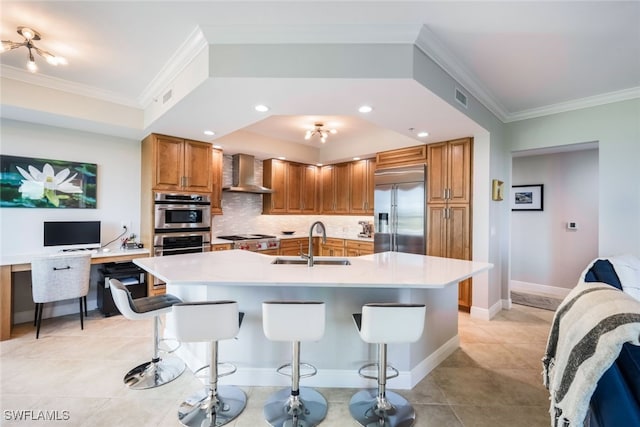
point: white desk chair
(58, 278)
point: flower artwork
(43, 183)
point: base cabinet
(332, 247)
(293, 247)
(357, 248)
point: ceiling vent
(461, 98)
(167, 96)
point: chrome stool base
(154, 374)
(197, 411)
(363, 407)
(311, 411)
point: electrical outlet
(124, 224)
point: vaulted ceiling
(520, 59)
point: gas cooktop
(236, 237)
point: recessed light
(261, 108)
(423, 134)
(356, 158)
(318, 164)
(209, 132)
(218, 147)
(365, 109)
(282, 158)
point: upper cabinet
(402, 157)
(179, 164)
(216, 181)
(335, 183)
(362, 186)
(274, 176)
(450, 171)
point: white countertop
(245, 268)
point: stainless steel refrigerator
(400, 210)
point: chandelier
(320, 131)
(30, 35)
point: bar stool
(381, 324)
(294, 321)
(157, 371)
(210, 321)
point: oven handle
(159, 250)
(166, 207)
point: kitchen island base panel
(341, 352)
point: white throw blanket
(588, 330)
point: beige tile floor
(492, 380)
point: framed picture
(527, 197)
(45, 183)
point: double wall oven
(182, 223)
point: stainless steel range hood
(244, 176)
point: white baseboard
(534, 288)
(486, 314)
(336, 378)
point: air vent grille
(167, 96)
(461, 98)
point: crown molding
(576, 104)
(55, 83)
(187, 51)
(431, 46)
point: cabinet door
(169, 163)
(197, 166)
(309, 194)
(436, 230)
(359, 184)
(342, 183)
(437, 172)
(294, 187)
(459, 174)
(327, 189)
(371, 186)
(274, 177)
(216, 182)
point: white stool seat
(383, 323)
(157, 371)
(209, 321)
(392, 322)
(293, 320)
(206, 321)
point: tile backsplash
(243, 214)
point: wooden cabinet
(450, 171)
(335, 183)
(216, 182)
(269, 252)
(362, 186)
(293, 247)
(450, 236)
(357, 248)
(333, 247)
(179, 164)
(449, 205)
(302, 188)
(274, 177)
(221, 247)
(295, 187)
(402, 157)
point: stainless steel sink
(290, 261)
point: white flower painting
(26, 182)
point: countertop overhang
(245, 268)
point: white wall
(544, 253)
(118, 194)
(616, 127)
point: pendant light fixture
(320, 131)
(30, 35)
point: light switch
(572, 225)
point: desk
(16, 263)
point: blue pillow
(603, 271)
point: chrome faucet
(309, 256)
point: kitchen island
(251, 278)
